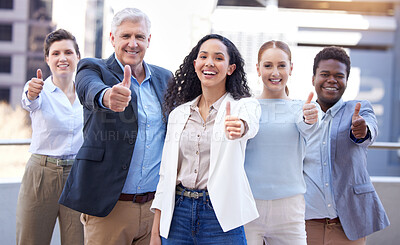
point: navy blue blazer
(102, 163)
(358, 206)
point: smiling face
(212, 64)
(62, 58)
(330, 81)
(274, 68)
(130, 42)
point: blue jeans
(194, 222)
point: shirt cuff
(358, 141)
(100, 101)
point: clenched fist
(310, 111)
(35, 86)
(118, 97)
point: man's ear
(112, 39)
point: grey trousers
(38, 207)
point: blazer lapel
(218, 135)
(158, 86)
(334, 132)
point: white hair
(130, 14)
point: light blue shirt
(56, 123)
(319, 198)
(274, 157)
(146, 158)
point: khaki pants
(281, 222)
(128, 223)
(38, 207)
(328, 234)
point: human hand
(155, 239)
(234, 127)
(310, 111)
(358, 124)
(35, 86)
(118, 97)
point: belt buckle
(195, 195)
(59, 162)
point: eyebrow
(217, 53)
(326, 71)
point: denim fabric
(194, 222)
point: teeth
(62, 65)
(209, 73)
(131, 52)
(331, 89)
(275, 80)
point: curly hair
(335, 53)
(186, 86)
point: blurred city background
(368, 29)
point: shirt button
(147, 146)
(138, 187)
(145, 106)
(326, 184)
(124, 167)
(325, 163)
(195, 171)
(329, 205)
(197, 152)
(148, 125)
(323, 143)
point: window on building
(5, 32)
(5, 64)
(242, 3)
(6, 4)
(385, 8)
(5, 94)
(40, 10)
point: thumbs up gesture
(358, 124)
(310, 111)
(234, 127)
(35, 86)
(117, 98)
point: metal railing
(375, 145)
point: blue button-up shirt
(319, 197)
(146, 158)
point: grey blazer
(358, 206)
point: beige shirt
(194, 147)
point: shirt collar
(146, 68)
(335, 108)
(216, 105)
(49, 85)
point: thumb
(127, 77)
(39, 74)
(357, 110)
(310, 96)
(228, 108)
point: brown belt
(326, 221)
(137, 198)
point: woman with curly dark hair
(210, 121)
(186, 85)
